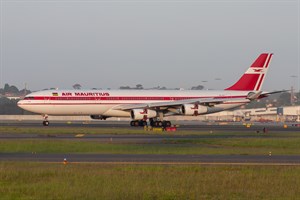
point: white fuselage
(96, 102)
(150, 104)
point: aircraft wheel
(158, 124)
(46, 123)
(167, 123)
(152, 123)
(143, 123)
(132, 123)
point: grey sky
(106, 44)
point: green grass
(52, 131)
(32, 180)
(100, 181)
(245, 146)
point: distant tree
(9, 107)
(77, 86)
(139, 87)
(261, 103)
(24, 92)
(154, 88)
(124, 88)
(11, 89)
(6, 87)
(284, 99)
(199, 87)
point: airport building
(270, 114)
(275, 114)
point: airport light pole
(292, 89)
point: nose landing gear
(45, 122)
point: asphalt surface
(183, 125)
(125, 139)
(154, 159)
(149, 138)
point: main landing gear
(45, 122)
(153, 123)
(160, 123)
(138, 123)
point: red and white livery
(152, 105)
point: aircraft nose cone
(20, 103)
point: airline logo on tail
(254, 77)
(255, 71)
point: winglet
(253, 78)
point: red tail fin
(254, 77)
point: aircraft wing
(207, 102)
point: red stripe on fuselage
(79, 103)
(129, 98)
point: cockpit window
(29, 98)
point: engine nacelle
(99, 117)
(193, 109)
(139, 114)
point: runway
(183, 125)
(150, 138)
(155, 159)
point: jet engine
(193, 109)
(139, 114)
(99, 117)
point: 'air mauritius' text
(86, 94)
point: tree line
(11, 90)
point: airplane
(150, 105)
